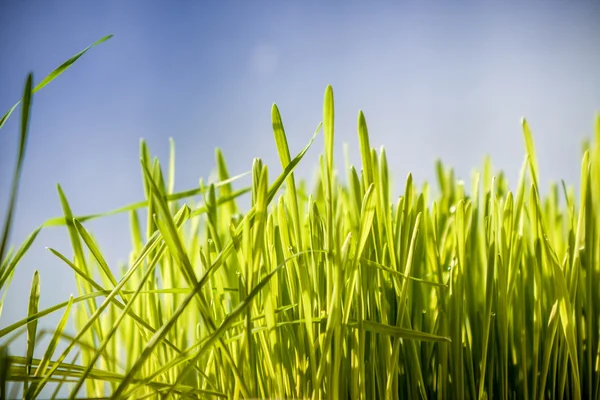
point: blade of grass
(34, 301)
(53, 75)
(10, 213)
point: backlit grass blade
(46, 359)
(206, 343)
(162, 332)
(226, 188)
(330, 291)
(94, 317)
(34, 301)
(328, 126)
(53, 75)
(115, 326)
(60, 221)
(87, 239)
(365, 149)
(489, 292)
(394, 331)
(292, 204)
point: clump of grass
(341, 292)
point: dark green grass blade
(25, 113)
(4, 371)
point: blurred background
(447, 80)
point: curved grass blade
(162, 332)
(53, 75)
(87, 239)
(533, 163)
(228, 322)
(394, 331)
(60, 221)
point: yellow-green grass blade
(328, 126)
(484, 271)
(489, 292)
(46, 359)
(118, 321)
(11, 264)
(367, 216)
(206, 343)
(530, 147)
(225, 190)
(402, 299)
(60, 221)
(8, 282)
(374, 264)
(365, 149)
(394, 331)
(53, 75)
(67, 372)
(94, 317)
(169, 233)
(87, 239)
(163, 331)
(566, 319)
(292, 205)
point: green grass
(341, 291)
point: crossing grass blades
(339, 291)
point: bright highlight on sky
(447, 80)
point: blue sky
(435, 79)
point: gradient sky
(435, 79)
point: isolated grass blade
(25, 113)
(328, 126)
(365, 148)
(529, 146)
(53, 75)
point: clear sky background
(446, 79)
